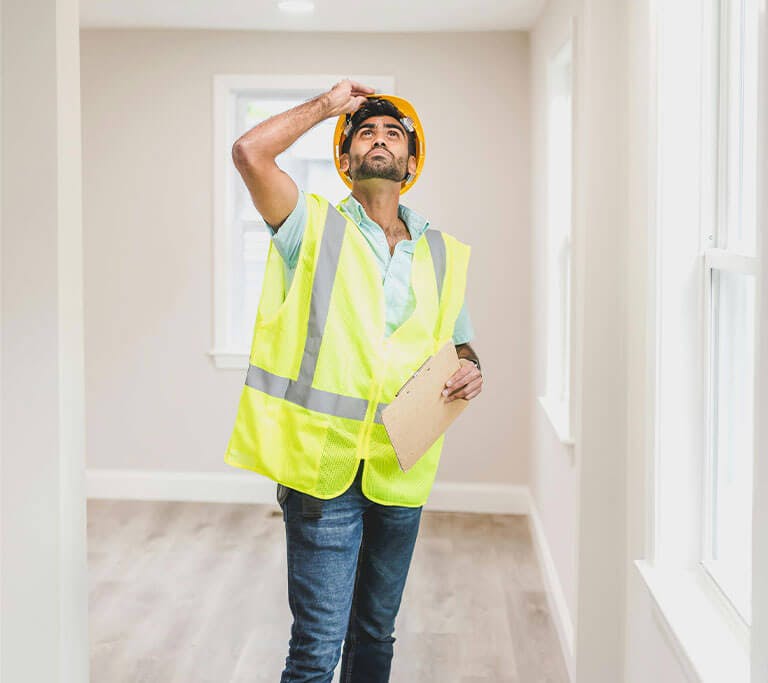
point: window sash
(729, 195)
(732, 581)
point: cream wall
(154, 399)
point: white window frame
(759, 631)
(226, 88)
(708, 635)
(556, 401)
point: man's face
(379, 149)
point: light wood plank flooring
(196, 593)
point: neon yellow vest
(321, 369)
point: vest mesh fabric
(338, 461)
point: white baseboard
(199, 487)
(223, 487)
(558, 608)
(498, 499)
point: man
(355, 298)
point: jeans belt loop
(311, 507)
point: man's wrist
(466, 352)
(325, 106)
(474, 361)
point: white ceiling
(329, 15)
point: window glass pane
(728, 555)
(565, 386)
(255, 244)
(309, 161)
(559, 171)
(741, 120)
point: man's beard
(389, 169)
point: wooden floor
(196, 593)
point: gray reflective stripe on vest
(322, 286)
(306, 396)
(300, 391)
(437, 247)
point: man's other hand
(466, 382)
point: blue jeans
(347, 566)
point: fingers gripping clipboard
(419, 413)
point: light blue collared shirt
(395, 268)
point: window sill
(711, 643)
(229, 360)
(555, 415)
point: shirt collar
(415, 222)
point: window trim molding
(229, 360)
(555, 414)
(223, 353)
(693, 616)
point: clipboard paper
(419, 414)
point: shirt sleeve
(287, 238)
(463, 331)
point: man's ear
(344, 163)
(412, 164)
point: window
(703, 343)
(556, 401)
(241, 238)
(730, 266)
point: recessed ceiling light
(296, 6)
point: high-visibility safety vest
(321, 369)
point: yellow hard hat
(410, 121)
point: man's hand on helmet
(346, 97)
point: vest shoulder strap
(437, 249)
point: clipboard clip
(410, 379)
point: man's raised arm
(273, 191)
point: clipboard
(419, 414)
